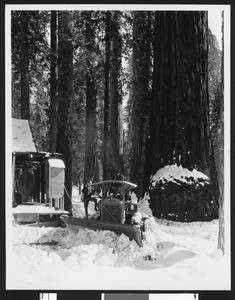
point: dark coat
(86, 193)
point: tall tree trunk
(65, 97)
(90, 171)
(53, 83)
(141, 96)
(90, 168)
(24, 66)
(106, 143)
(179, 127)
(221, 244)
(116, 129)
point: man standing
(87, 192)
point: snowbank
(179, 256)
(174, 256)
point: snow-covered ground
(179, 256)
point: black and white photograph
(118, 148)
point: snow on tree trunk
(179, 121)
(65, 98)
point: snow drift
(176, 256)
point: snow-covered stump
(178, 194)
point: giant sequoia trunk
(90, 168)
(53, 82)
(179, 127)
(141, 96)
(65, 98)
(24, 66)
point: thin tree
(91, 128)
(29, 64)
(179, 121)
(65, 97)
(116, 129)
(24, 66)
(15, 64)
(53, 82)
(79, 109)
(106, 143)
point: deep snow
(179, 256)
(183, 256)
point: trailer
(37, 180)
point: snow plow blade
(74, 224)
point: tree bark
(141, 96)
(65, 98)
(221, 240)
(53, 83)
(90, 168)
(179, 122)
(24, 66)
(116, 129)
(106, 143)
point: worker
(86, 196)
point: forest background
(72, 71)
